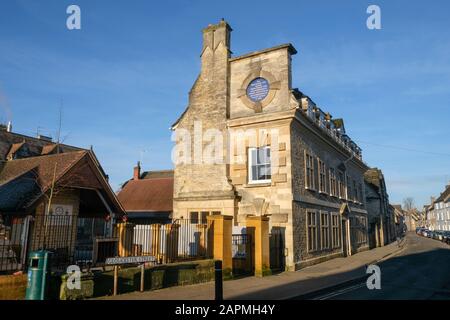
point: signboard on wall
(60, 215)
(129, 260)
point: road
(420, 271)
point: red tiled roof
(147, 195)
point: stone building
(249, 144)
(438, 215)
(381, 217)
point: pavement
(419, 272)
(285, 285)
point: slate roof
(444, 195)
(11, 142)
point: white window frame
(250, 173)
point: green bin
(38, 275)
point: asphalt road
(421, 271)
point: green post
(38, 275)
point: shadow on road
(415, 275)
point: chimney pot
(137, 171)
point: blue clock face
(258, 89)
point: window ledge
(258, 184)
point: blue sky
(124, 77)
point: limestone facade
(250, 100)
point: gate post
(258, 227)
(125, 233)
(219, 241)
(172, 235)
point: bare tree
(408, 204)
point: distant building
(148, 197)
(399, 219)
(381, 219)
(438, 215)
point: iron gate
(241, 246)
(276, 245)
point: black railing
(70, 239)
(12, 243)
(241, 250)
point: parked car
(446, 237)
(437, 235)
(429, 234)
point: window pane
(263, 172)
(254, 173)
(253, 156)
(194, 217)
(204, 215)
(261, 156)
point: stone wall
(305, 137)
(158, 277)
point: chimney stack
(9, 127)
(213, 35)
(137, 171)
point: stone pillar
(125, 234)
(202, 239)
(172, 233)
(219, 241)
(258, 228)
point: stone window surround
(320, 165)
(311, 247)
(336, 234)
(333, 182)
(310, 165)
(200, 212)
(324, 229)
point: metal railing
(180, 240)
(70, 239)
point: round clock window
(258, 89)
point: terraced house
(284, 157)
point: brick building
(283, 157)
(53, 197)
